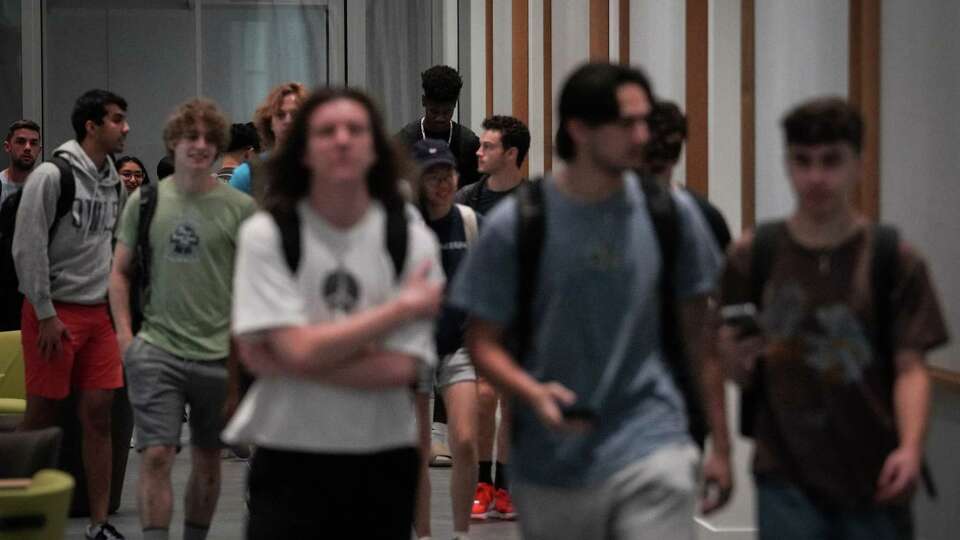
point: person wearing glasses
(132, 173)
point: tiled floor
(229, 519)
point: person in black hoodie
(441, 90)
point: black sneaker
(104, 531)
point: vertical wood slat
(748, 162)
(698, 96)
(864, 92)
(547, 85)
(599, 30)
(488, 50)
(625, 32)
(521, 65)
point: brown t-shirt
(825, 419)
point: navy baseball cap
(429, 152)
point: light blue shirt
(596, 313)
(241, 178)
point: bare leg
(41, 413)
(486, 420)
(503, 432)
(95, 413)
(461, 400)
(203, 488)
(155, 489)
(421, 518)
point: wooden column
(599, 30)
(698, 96)
(625, 32)
(521, 66)
(865, 93)
(748, 162)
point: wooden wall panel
(748, 162)
(698, 95)
(865, 93)
(599, 30)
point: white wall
(535, 121)
(801, 52)
(658, 45)
(724, 110)
(919, 137)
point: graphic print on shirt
(184, 242)
(95, 215)
(341, 291)
(833, 344)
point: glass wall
(159, 53)
(11, 85)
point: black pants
(305, 495)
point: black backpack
(288, 221)
(884, 264)
(11, 299)
(663, 213)
(142, 256)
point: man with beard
(23, 146)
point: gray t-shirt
(597, 294)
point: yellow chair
(13, 392)
(38, 512)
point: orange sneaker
(482, 501)
(503, 505)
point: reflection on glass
(11, 86)
(248, 49)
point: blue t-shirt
(596, 305)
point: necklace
(423, 133)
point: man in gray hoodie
(63, 264)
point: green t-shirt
(193, 239)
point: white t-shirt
(7, 187)
(341, 272)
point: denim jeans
(784, 512)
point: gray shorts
(160, 384)
(451, 369)
(652, 499)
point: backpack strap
(883, 271)
(884, 267)
(397, 238)
(665, 220)
(471, 228)
(765, 239)
(148, 208)
(531, 234)
(68, 191)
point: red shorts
(90, 359)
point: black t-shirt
(463, 143)
(452, 237)
(718, 225)
(481, 198)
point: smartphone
(580, 414)
(743, 317)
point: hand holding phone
(743, 317)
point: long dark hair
(290, 178)
(128, 159)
